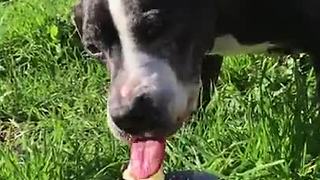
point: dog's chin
(128, 138)
(117, 132)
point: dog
(156, 51)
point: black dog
(154, 50)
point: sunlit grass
(262, 122)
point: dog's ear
(78, 17)
(95, 26)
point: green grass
(261, 124)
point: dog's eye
(151, 16)
(150, 26)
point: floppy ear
(78, 17)
(95, 26)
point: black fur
(180, 32)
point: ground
(262, 122)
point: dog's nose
(140, 116)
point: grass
(261, 124)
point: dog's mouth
(147, 150)
(146, 157)
(147, 153)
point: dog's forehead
(132, 19)
(125, 13)
(134, 5)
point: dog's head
(153, 49)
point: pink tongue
(146, 157)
